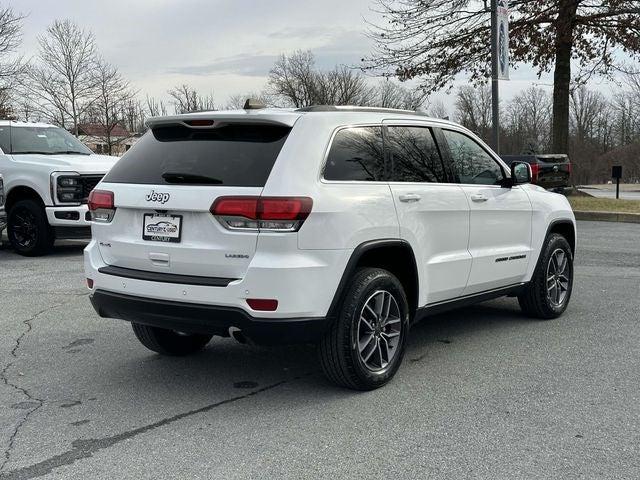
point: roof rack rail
(348, 108)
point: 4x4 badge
(158, 197)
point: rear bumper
(216, 320)
(3, 219)
(302, 281)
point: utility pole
(495, 82)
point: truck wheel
(547, 295)
(28, 230)
(170, 342)
(364, 347)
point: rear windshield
(233, 155)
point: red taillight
(570, 168)
(262, 304)
(100, 199)
(297, 208)
(535, 169)
(101, 205)
(266, 213)
(236, 207)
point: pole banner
(503, 39)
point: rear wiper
(173, 177)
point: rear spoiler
(258, 117)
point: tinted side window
(356, 154)
(472, 164)
(414, 155)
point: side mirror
(521, 173)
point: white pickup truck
(48, 175)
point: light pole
(495, 83)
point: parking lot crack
(4, 376)
(86, 448)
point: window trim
(454, 176)
(432, 130)
(328, 150)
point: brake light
(535, 170)
(101, 205)
(284, 214)
(570, 166)
(199, 123)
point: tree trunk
(562, 76)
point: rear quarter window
(356, 154)
(231, 155)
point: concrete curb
(608, 216)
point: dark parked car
(549, 171)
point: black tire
(339, 350)
(535, 301)
(28, 230)
(169, 342)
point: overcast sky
(220, 46)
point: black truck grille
(88, 183)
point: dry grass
(592, 204)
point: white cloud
(224, 46)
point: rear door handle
(410, 197)
(479, 198)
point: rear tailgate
(164, 187)
(203, 247)
(553, 171)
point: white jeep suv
(334, 225)
(48, 174)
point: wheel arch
(21, 192)
(394, 255)
(567, 229)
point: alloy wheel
(379, 330)
(557, 279)
(24, 227)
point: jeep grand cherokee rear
(184, 239)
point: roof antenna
(253, 104)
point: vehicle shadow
(226, 363)
(62, 248)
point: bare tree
(107, 110)
(473, 109)
(187, 99)
(527, 125)
(392, 95)
(295, 81)
(438, 110)
(439, 39)
(10, 67)
(155, 107)
(62, 82)
(134, 115)
(292, 80)
(236, 102)
(343, 86)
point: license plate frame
(158, 220)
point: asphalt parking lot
(483, 392)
